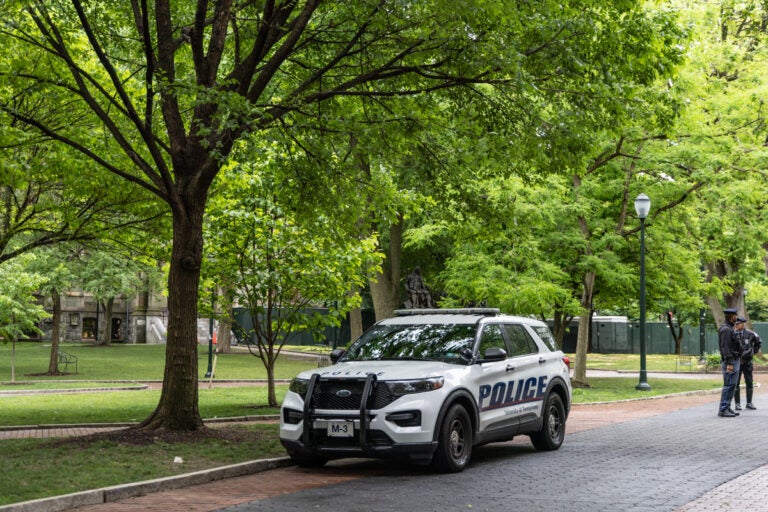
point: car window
(546, 335)
(519, 340)
(492, 337)
(439, 342)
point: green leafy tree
(579, 116)
(504, 253)
(702, 173)
(43, 203)
(721, 137)
(58, 264)
(108, 275)
(279, 265)
(20, 311)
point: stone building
(143, 319)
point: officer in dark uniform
(730, 357)
(750, 345)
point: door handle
(542, 360)
(510, 368)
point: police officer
(730, 357)
(750, 345)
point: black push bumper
(366, 442)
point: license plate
(341, 429)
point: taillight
(567, 361)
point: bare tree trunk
(385, 286)
(765, 258)
(53, 360)
(105, 337)
(582, 342)
(721, 269)
(677, 335)
(560, 323)
(271, 397)
(13, 360)
(736, 299)
(355, 323)
(579, 378)
(716, 308)
(224, 330)
(178, 406)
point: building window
(117, 329)
(89, 328)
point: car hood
(384, 370)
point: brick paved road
(40, 433)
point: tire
(552, 432)
(309, 461)
(454, 443)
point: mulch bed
(143, 437)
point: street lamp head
(642, 206)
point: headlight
(292, 417)
(299, 386)
(407, 387)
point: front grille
(329, 394)
(374, 438)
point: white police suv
(429, 385)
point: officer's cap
(731, 311)
(741, 320)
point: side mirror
(466, 355)
(494, 354)
(336, 354)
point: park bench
(683, 361)
(323, 360)
(67, 359)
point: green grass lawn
(631, 362)
(128, 406)
(39, 468)
(135, 363)
(609, 389)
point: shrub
(712, 361)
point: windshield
(438, 342)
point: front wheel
(552, 432)
(454, 444)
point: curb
(24, 392)
(655, 397)
(201, 380)
(231, 419)
(668, 395)
(131, 490)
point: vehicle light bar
(449, 311)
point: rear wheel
(552, 432)
(454, 443)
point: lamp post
(642, 207)
(702, 335)
(209, 372)
(702, 330)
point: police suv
(429, 385)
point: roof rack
(449, 311)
